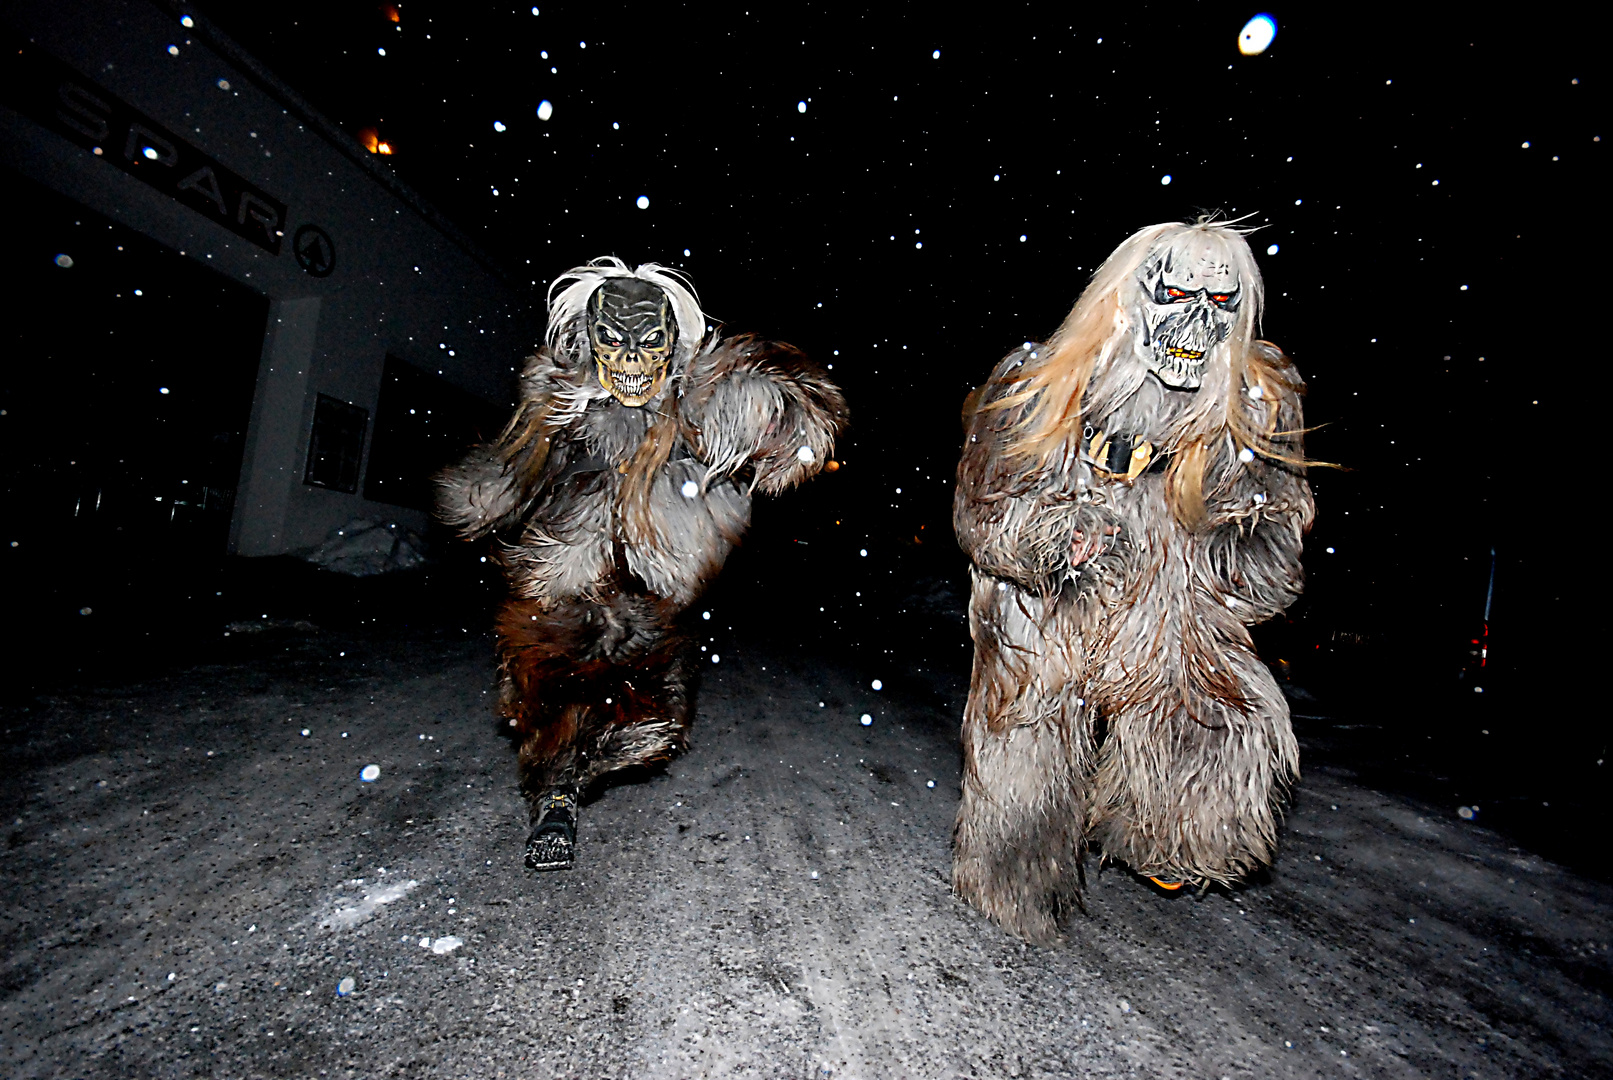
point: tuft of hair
(568, 304)
(638, 480)
(1087, 369)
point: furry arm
(1013, 519)
(498, 481)
(761, 403)
(1260, 511)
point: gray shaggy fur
(603, 549)
(1116, 699)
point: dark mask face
(632, 331)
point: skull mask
(1188, 299)
(632, 332)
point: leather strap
(1122, 457)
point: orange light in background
(391, 13)
(370, 138)
(831, 465)
(383, 148)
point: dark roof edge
(348, 146)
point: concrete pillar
(276, 441)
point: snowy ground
(188, 879)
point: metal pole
(1489, 594)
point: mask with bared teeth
(632, 331)
(1187, 299)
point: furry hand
(1091, 540)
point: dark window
(127, 374)
(422, 423)
(126, 388)
(336, 445)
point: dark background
(126, 383)
(1427, 268)
(1381, 152)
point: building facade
(323, 338)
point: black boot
(552, 844)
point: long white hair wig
(568, 304)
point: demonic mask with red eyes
(1185, 306)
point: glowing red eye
(1174, 292)
(1220, 298)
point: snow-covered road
(189, 879)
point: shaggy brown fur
(611, 520)
(1116, 698)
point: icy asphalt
(189, 879)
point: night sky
(908, 196)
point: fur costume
(615, 493)
(1132, 496)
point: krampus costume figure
(1132, 495)
(616, 492)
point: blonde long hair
(1087, 369)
